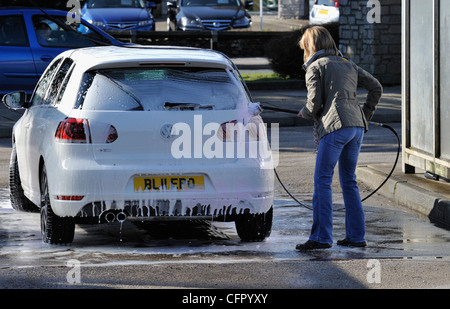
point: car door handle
(46, 58)
(27, 125)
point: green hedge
(281, 48)
(285, 55)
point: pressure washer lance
(371, 123)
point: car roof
(90, 58)
(15, 9)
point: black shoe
(312, 245)
(346, 243)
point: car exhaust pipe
(121, 217)
(110, 217)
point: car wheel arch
(41, 168)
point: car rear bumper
(236, 187)
(224, 209)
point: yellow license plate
(169, 183)
(323, 12)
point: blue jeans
(342, 145)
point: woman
(340, 123)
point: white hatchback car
(324, 11)
(114, 133)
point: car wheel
(254, 227)
(18, 199)
(54, 229)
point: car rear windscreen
(183, 88)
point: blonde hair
(314, 39)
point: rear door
(17, 70)
(33, 129)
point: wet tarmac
(413, 252)
(391, 234)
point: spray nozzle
(255, 109)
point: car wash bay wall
(370, 35)
(425, 86)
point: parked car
(119, 15)
(29, 40)
(107, 136)
(271, 5)
(213, 15)
(324, 11)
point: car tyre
(18, 199)
(254, 227)
(54, 229)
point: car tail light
(336, 3)
(69, 197)
(73, 130)
(254, 130)
(165, 64)
(227, 131)
(112, 135)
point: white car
(324, 11)
(114, 133)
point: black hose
(396, 159)
(372, 123)
(287, 191)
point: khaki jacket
(332, 82)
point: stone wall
(293, 9)
(375, 45)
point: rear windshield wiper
(135, 98)
(186, 106)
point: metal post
(214, 39)
(436, 74)
(261, 13)
(406, 129)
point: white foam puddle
(200, 242)
(127, 243)
(4, 198)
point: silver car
(324, 11)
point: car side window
(44, 82)
(54, 32)
(12, 31)
(59, 82)
(64, 85)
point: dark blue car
(215, 15)
(119, 15)
(31, 38)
